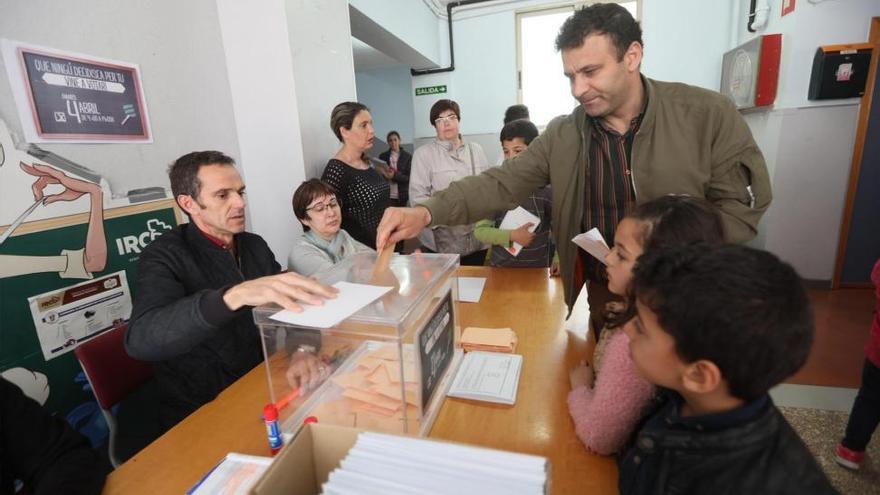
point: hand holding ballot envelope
(592, 242)
(522, 225)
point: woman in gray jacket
(434, 166)
(323, 242)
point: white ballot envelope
(515, 219)
(592, 242)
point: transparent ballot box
(385, 368)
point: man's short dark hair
(600, 18)
(307, 192)
(516, 112)
(441, 106)
(739, 307)
(184, 172)
(519, 129)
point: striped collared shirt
(610, 193)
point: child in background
(716, 328)
(537, 248)
(606, 405)
(865, 413)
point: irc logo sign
(136, 243)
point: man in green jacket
(631, 139)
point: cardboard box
(305, 463)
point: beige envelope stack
(371, 393)
(488, 339)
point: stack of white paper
(381, 464)
(487, 376)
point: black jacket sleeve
(162, 308)
(404, 163)
(43, 450)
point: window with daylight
(541, 86)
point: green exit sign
(431, 90)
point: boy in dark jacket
(717, 328)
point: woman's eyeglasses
(449, 118)
(321, 207)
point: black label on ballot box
(436, 347)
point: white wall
(266, 120)
(685, 39)
(388, 92)
(323, 70)
(410, 20)
(183, 68)
(808, 145)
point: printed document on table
(488, 376)
(350, 298)
(470, 288)
(515, 219)
(592, 242)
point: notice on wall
(67, 317)
(68, 97)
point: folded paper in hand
(592, 242)
(488, 339)
(515, 219)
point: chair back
(112, 373)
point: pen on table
(284, 401)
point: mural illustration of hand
(73, 188)
(95, 254)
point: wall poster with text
(68, 97)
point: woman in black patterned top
(362, 191)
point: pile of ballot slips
(488, 339)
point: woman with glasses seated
(364, 192)
(323, 242)
(434, 166)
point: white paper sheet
(350, 299)
(470, 288)
(515, 219)
(488, 376)
(592, 242)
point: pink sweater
(605, 415)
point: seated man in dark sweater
(197, 285)
(42, 450)
(717, 328)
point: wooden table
(523, 299)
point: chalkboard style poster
(67, 97)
